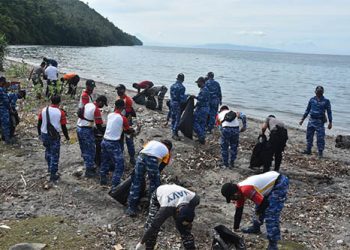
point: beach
(82, 215)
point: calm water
(257, 83)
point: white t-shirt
(55, 119)
(51, 73)
(221, 117)
(155, 148)
(114, 128)
(89, 114)
(263, 183)
(173, 195)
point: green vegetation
(3, 44)
(56, 232)
(58, 22)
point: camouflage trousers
(143, 163)
(184, 230)
(213, 110)
(87, 145)
(5, 124)
(276, 198)
(229, 141)
(111, 152)
(175, 117)
(200, 121)
(315, 125)
(52, 152)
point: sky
(307, 26)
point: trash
(28, 246)
(4, 226)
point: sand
(316, 215)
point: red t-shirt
(145, 84)
(128, 103)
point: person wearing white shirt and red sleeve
(51, 73)
(170, 200)
(85, 131)
(269, 192)
(52, 145)
(111, 151)
(85, 97)
(153, 158)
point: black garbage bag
(261, 153)
(225, 239)
(151, 103)
(140, 98)
(186, 121)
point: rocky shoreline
(316, 215)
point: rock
(79, 172)
(340, 241)
(28, 246)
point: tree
(3, 45)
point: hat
(90, 83)
(227, 190)
(120, 86)
(186, 213)
(2, 79)
(102, 99)
(200, 79)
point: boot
(90, 173)
(131, 212)
(272, 245)
(306, 152)
(253, 229)
(232, 165)
(320, 154)
(103, 181)
(54, 177)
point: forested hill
(58, 22)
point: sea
(256, 83)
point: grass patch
(55, 232)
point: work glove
(140, 246)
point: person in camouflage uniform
(269, 192)
(177, 97)
(4, 111)
(201, 111)
(317, 107)
(152, 159)
(215, 99)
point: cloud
(251, 33)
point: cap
(180, 77)
(319, 88)
(200, 79)
(227, 190)
(102, 99)
(90, 83)
(186, 213)
(2, 79)
(210, 75)
(120, 86)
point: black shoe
(54, 177)
(103, 181)
(90, 173)
(132, 161)
(232, 165)
(131, 212)
(176, 137)
(201, 141)
(306, 152)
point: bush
(3, 45)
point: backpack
(225, 239)
(230, 116)
(151, 103)
(140, 98)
